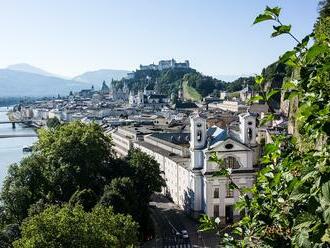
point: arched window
(250, 133)
(231, 162)
(199, 135)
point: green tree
(73, 227)
(289, 204)
(121, 195)
(78, 156)
(146, 174)
(86, 198)
(53, 122)
(24, 185)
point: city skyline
(69, 38)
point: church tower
(248, 128)
(197, 140)
(197, 146)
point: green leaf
(287, 56)
(275, 11)
(271, 93)
(256, 98)
(263, 17)
(259, 79)
(325, 191)
(326, 215)
(267, 118)
(302, 239)
(326, 236)
(282, 29)
(315, 51)
(289, 85)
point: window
(216, 210)
(216, 193)
(229, 191)
(250, 133)
(229, 146)
(231, 162)
(199, 135)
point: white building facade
(189, 175)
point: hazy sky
(69, 37)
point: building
(246, 93)
(189, 174)
(166, 64)
(148, 98)
(233, 106)
(105, 90)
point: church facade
(184, 159)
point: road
(170, 219)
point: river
(11, 148)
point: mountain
(20, 83)
(97, 77)
(30, 69)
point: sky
(69, 37)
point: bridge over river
(27, 123)
(3, 136)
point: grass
(190, 93)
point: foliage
(120, 194)
(190, 93)
(74, 164)
(289, 204)
(85, 198)
(78, 157)
(146, 174)
(73, 227)
(53, 122)
(204, 85)
(239, 84)
(24, 185)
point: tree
(146, 174)
(53, 122)
(121, 195)
(69, 158)
(79, 156)
(85, 198)
(73, 227)
(289, 204)
(24, 185)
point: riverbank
(11, 146)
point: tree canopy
(66, 226)
(74, 164)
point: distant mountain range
(31, 69)
(27, 80)
(20, 83)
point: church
(190, 175)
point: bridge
(3, 136)
(28, 123)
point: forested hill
(170, 80)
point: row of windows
(229, 192)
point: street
(170, 221)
